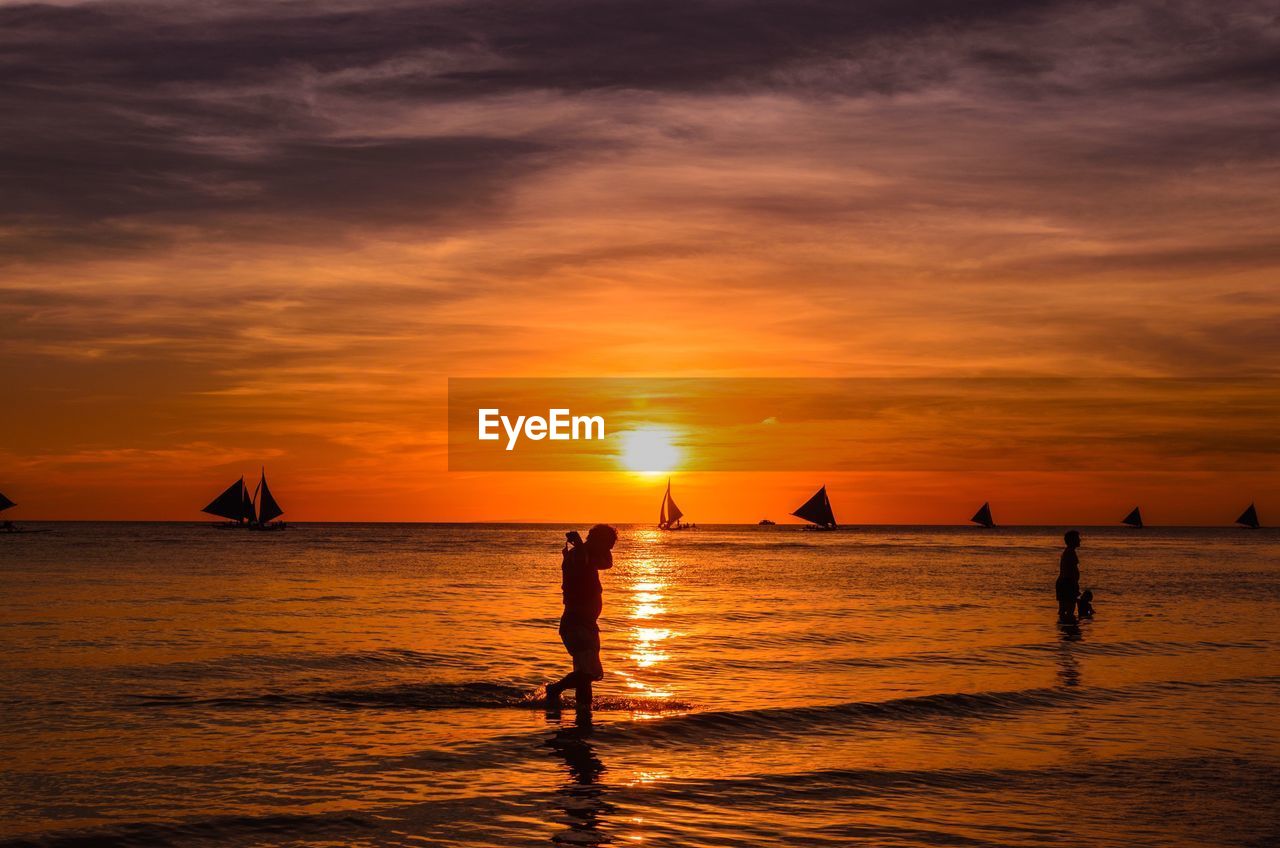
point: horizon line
(558, 522)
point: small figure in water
(1084, 606)
(580, 570)
(1068, 586)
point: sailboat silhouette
(242, 511)
(8, 527)
(1133, 519)
(983, 516)
(817, 511)
(1249, 518)
(669, 514)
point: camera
(573, 538)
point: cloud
(142, 124)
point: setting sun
(649, 450)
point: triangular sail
(1133, 519)
(268, 509)
(662, 511)
(5, 503)
(673, 512)
(1249, 518)
(230, 504)
(817, 510)
(983, 516)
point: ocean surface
(366, 685)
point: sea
(380, 684)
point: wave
(1132, 773)
(408, 696)
(1026, 654)
(785, 639)
(776, 722)
(253, 665)
(216, 830)
(684, 727)
(1034, 653)
(681, 717)
(783, 720)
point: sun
(648, 449)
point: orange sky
(248, 237)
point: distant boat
(764, 522)
(242, 511)
(8, 526)
(669, 514)
(817, 510)
(983, 516)
(1249, 518)
(1133, 519)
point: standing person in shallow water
(1068, 586)
(583, 599)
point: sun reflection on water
(649, 643)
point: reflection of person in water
(582, 797)
(1067, 588)
(580, 570)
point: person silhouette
(580, 568)
(1067, 587)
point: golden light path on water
(645, 641)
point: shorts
(582, 640)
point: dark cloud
(145, 173)
(125, 119)
(571, 44)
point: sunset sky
(239, 234)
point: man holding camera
(580, 570)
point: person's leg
(582, 641)
(555, 690)
(582, 694)
(1060, 595)
(587, 666)
(1067, 602)
(568, 637)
